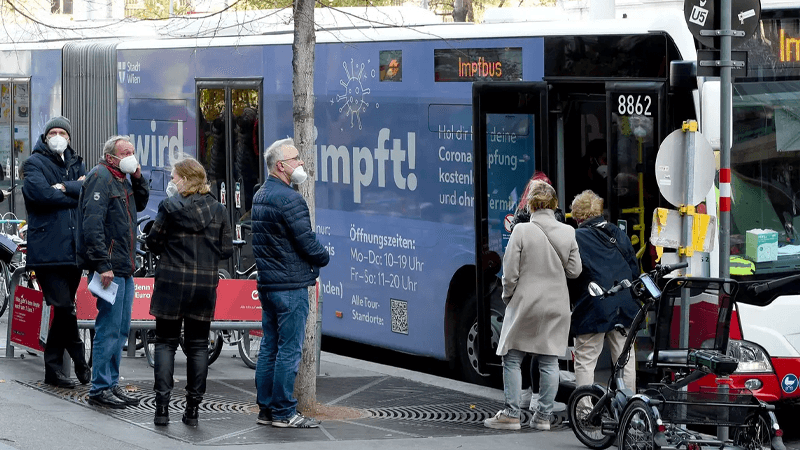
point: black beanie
(58, 122)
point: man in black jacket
(54, 174)
(288, 256)
(107, 248)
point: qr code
(399, 316)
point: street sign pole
(687, 222)
(726, 103)
(725, 141)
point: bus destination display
(477, 64)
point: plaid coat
(191, 235)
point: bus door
(605, 138)
(229, 148)
(15, 140)
(635, 124)
(509, 120)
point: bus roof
(670, 22)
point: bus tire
(466, 341)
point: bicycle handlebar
(658, 272)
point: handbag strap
(601, 226)
(563, 264)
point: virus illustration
(354, 92)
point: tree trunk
(303, 113)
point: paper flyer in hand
(108, 294)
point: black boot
(196, 374)
(163, 369)
(74, 346)
(162, 415)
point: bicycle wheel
(149, 344)
(588, 432)
(754, 434)
(87, 336)
(249, 346)
(637, 430)
(215, 343)
(5, 287)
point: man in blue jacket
(107, 248)
(54, 174)
(288, 256)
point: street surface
(408, 409)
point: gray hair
(110, 147)
(274, 152)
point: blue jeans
(512, 382)
(283, 321)
(111, 329)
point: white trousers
(587, 351)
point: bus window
(765, 170)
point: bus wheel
(467, 341)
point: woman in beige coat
(540, 256)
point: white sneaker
(501, 421)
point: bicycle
(249, 341)
(658, 416)
(14, 255)
(594, 410)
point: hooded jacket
(190, 235)
(52, 214)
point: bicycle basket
(707, 407)
(709, 319)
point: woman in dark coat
(191, 234)
(607, 257)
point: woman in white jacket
(540, 256)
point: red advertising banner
(237, 300)
(28, 313)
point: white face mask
(172, 189)
(602, 170)
(127, 164)
(57, 144)
(299, 175)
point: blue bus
(393, 159)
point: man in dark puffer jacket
(288, 256)
(54, 174)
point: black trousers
(59, 285)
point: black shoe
(190, 416)
(84, 375)
(264, 417)
(123, 395)
(162, 415)
(59, 380)
(106, 398)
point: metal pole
(725, 156)
(725, 142)
(690, 134)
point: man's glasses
(296, 158)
